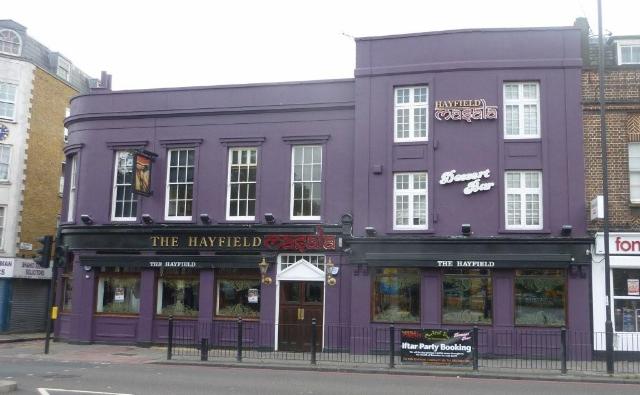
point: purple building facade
(443, 187)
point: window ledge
(634, 205)
(244, 319)
(5, 182)
(5, 120)
(121, 315)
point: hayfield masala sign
(300, 243)
(464, 110)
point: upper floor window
(410, 201)
(521, 110)
(10, 42)
(5, 158)
(7, 100)
(523, 197)
(125, 203)
(179, 192)
(410, 109)
(634, 172)
(73, 183)
(306, 182)
(629, 52)
(64, 68)
(241, 187)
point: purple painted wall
(158, 120)
(470, 65)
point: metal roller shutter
(29, 305)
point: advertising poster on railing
(437, 346)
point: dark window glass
(67, 290)
(290, 291)
(467, 297)
(180, 296)
(118, 294)
(313, 292)
(396, 295)
(239, 296)
(540, 297)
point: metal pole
(239, 341)
(474, 350)
(313, 340)
(563, 345)
(50, 303)
(170, 338)
(392, 346)
(605, 193)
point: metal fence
(558, 350)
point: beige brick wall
(622, 92)
(41, 201)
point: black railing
(556, 349)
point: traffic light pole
(50, 303)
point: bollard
(474, 351)
(563, 343)
(204, 349)
(170, 338)
(314, 327)
(392, 347)
(239, 344)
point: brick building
(622, 97)
(36, 85)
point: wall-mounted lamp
(269, 218)
(264, 266)
(466, 229)
(566, 230)
(86, 219)
(329, 269)
(146, 218)
(205, 218)
(370, 231)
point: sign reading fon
(473, 178)
(467, 110)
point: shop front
(123, 283)
(506, 287)
(24, 288)
(624, 261)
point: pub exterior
(442, 187)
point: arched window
(10, 42)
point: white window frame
(634, 168)
(411, 193)
(285, 261)
(633, 44)
(11, 101)
(522, 191)
(230, 182)
(63, 70)
(168, 185)
(293, 183)
(521, 102)
(134, 198)
(19, 43)
(411, 106)
(6, 147)
(73, 188)
(3, 219)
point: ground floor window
(238, 293)
(626, 299)
(540, 297)
(67, 290)
(396, 295)
(178, 293)
(467, 296)
(118, 291)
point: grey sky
(151, 44)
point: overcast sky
(152, 44)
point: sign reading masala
(464, 110)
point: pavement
(21, 348)
(20, 337)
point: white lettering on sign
(464, 110)
(466, 263)
(473, 178)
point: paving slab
(7, 386)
